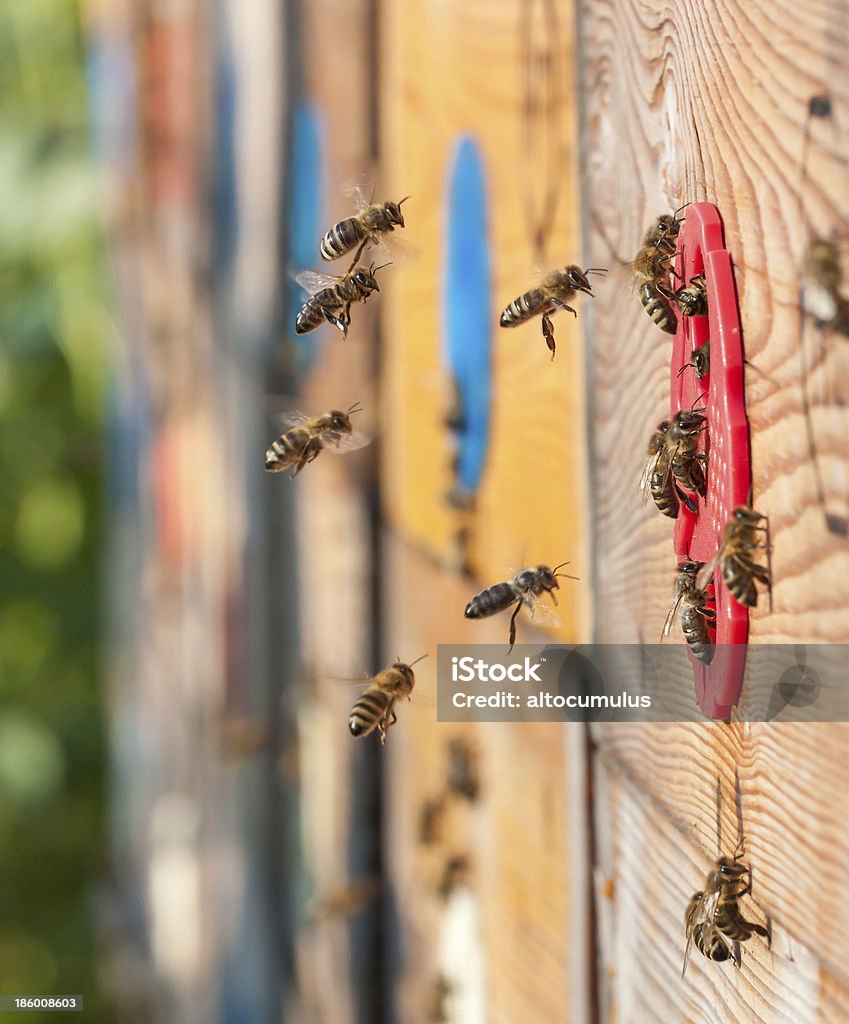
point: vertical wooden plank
(452, 72)
(683, 102)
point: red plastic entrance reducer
(726, 441)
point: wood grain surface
(499, 73)
(684, 102)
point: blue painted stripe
(305, 194)
(468, 298)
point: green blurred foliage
(53, 343)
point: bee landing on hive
(554, 292)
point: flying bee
(682, 441)
(700, 361)
(651, 267)
(554, 292)
(307, 437)
(713, 915)
(823, 278)
(364, 228)
(657, 478)
(330, 298)
(692, 299)
(525, 588)
(691, 607)
(375, 707)
(735, 556)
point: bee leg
(685, 499)
(337, 322)
(513, 624)
(358, 253)
(548, 334)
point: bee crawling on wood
(306, 437)
(651, 268)
(525, 588)
(691, 605)
(365, 228)
(330, 298)
(822, 283)
(736, 556)
(375, 707)
(554, 292)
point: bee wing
(703, 914)
(360, 192)
(542, 614)
(346, 442)
(670, 618)
(284, 421)
(705, 574)
(313, 282)
(649, 470)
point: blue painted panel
(467, 298)
(305, 229)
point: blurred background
(189, 832)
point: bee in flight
(822, 282)
(306, 437)
(651, 268)
(735, 556)
(682, 441)
(364, 228)
(554, 292)
(694, 614)
(375, 707)
(713, 921)
(330, 298)
(692, 299)
(525, 588)
(657, 479)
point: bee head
(407, 671)
(689, 567)
(365, 279)
(393, 212)
(340, 421)
(663, 426)
(578, 280)
(744, 514)
(690, 420)
(667, 226)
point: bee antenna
(373, 269)
(356, 407)
(404, 200)
(680, 208)
(702, 395)
(560, 566)
(596, 270)
(683, 368)
(417, 660)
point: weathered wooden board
(683, 102)
(500, 74)
(518, 838)
(700, 105)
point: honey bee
(330, 298)
(525, 588)
(462, 778)
(307, 437)
(657, 478)
(823, 278)
(691, 606)
(364, 228)
(682, 441)
(375, 707)
(692, 299)
(700, 361)
(713, 915)
(735, 555)
(554, 292)
(651, 267)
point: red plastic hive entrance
(729, 474)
